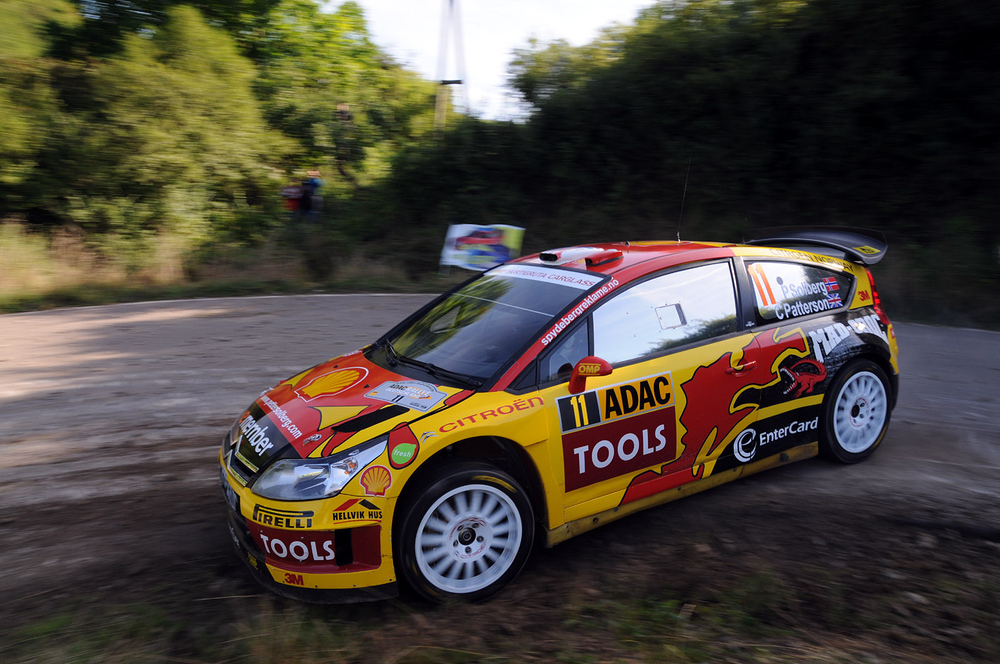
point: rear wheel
(466, 535)
(855, 412)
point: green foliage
(325, 84)
(159, 122)
(27, 102)
(163, 138)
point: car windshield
(475, 330)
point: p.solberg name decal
(618, 429)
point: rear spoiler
(858, 244)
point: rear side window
(790, 290)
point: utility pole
(450, 23)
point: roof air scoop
(575, 254)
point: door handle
(743, 368)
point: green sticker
(403, 454)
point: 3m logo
(617, 401)
(864, 296)
(294, 579)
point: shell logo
(330, 384)
(376, 480)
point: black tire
(470, 521)
(856, 411)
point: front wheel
(467, 533)
(855, 412)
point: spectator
(311, 201)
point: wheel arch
(501, 452)
(883, 362)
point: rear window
(789, 290)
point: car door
(670, 406)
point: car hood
(332, 407)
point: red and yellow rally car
(554, 394)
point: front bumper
(311, 559)
(265, 574)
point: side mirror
(588, 366)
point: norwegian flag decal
(831, 284)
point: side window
(560, 362)
(678, 308)
(789, 290)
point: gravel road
(111, 418)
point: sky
(410, 30)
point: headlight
(311, 479)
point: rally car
(553, 394)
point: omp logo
(291, 519)
(617, 401)
(865, 249)
(590, 369)
(256, 435)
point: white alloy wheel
(860, 412)
(468, 539)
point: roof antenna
(684, 196)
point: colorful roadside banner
(476, 247)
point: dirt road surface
(110, 419)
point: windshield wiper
(435, 370)
(390, 353)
